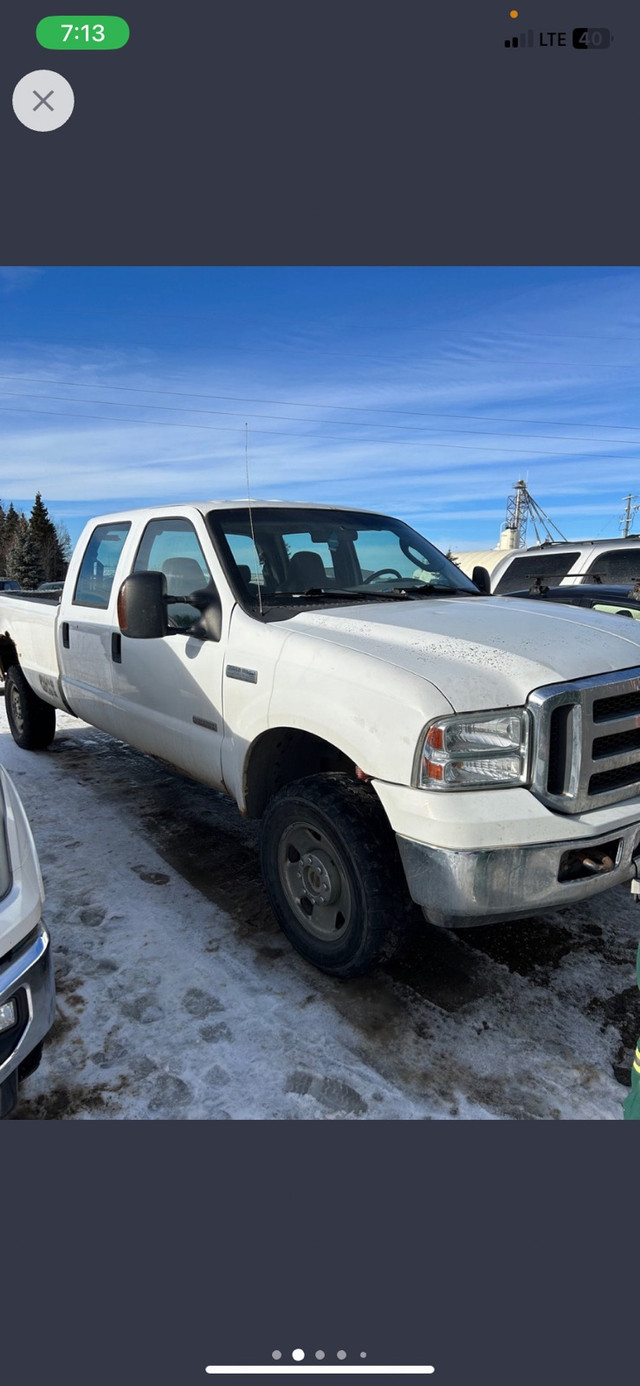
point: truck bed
(33, 596)
(28, 623)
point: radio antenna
(253, 537)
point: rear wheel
(32, 721)
(332, 872)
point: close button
(43, 100)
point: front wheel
(32, 721)
(332, 873)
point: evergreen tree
(43, 532)
(54, 565)
(23, 559)
(49, 550)
(39, 522)
(11, 522)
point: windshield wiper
(400, 593)
(337, 594)
(421, 589)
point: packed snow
(178, 996)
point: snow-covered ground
(179, 997)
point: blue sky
(422, 392)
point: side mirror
(207, 602)
(481, 579)
(142, 607)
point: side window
(172, 547)
(524, 571)
(95, 579)
(618, 565)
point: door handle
(116, 647)
(65, 634)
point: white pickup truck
(336, 675)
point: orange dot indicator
(513, 14)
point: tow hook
(595, 862)
(581, 862)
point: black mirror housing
(142, 609)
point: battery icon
(592, 38)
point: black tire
(32, 722)
(332, 872)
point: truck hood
(481, 652)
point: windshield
(303, 556)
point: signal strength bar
(520, 40)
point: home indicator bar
(360, 1370)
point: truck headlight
(480, 750)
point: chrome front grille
(587, 744)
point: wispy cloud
(432, 412)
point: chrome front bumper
(26, 975)
(482, 886)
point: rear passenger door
(85, 628)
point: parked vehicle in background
(399, 734)
(9, 585)
(562, 564)
(614, 601)
(27, 992)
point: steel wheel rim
(315, 882)
(16, 709)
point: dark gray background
(347, 131)
(288, 132)
(499, 1253)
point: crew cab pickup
(27, 990)
(401, 735)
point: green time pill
(79, 32)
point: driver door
(170, 690)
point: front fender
(373, 712)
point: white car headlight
(480, 750)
